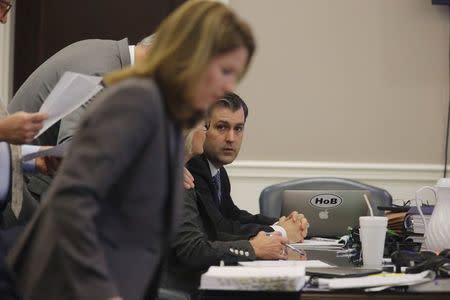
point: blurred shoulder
(141, 90)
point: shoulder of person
(144, 89)
(143, 83)
(198, 166)
(95, 42)
(138, 97)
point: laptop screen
(330, 212)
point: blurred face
(224, 136)
(198, 139)
(5, 6)
(220, 77)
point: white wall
(348, 88)
(347, 81)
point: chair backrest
(271, 198)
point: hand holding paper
(21, 127)
(49, 151)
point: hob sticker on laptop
(325, 201)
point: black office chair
(271, 198)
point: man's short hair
(230, 101)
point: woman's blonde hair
(188, 135)
(185, 42)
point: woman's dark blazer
(104, 226)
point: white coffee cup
(372, 233)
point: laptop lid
(329, 212)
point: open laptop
(329, 212)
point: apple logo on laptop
(323, 215)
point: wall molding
(361, 171)
(250, 177)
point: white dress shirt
(131, 49)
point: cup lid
(372, 221)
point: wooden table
(221, 295)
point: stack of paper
(377, 282)
(332, 245)
(285, 263)
(253, 279)
(395, 221)
(414, 223)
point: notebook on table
(236, 278)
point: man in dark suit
(91, 57)
(205, 237)
(213, 229)
(226, 121)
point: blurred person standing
(105, 224)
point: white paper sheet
(71, 91)
(382, 280)
(318, 245)
(56, 151)
(285, 263)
